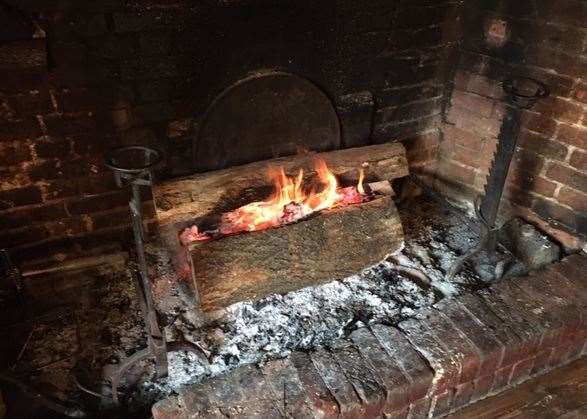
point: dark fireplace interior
(375, 88)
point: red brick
(463, 394)
(465, 119)
(483, 386)
(288, 390)
(537, 185)
(397, 346)
(20, 236)
(521, 371)
(542, 361)
(363, 378)
(476, 103)
(533, 142)
(501, 330)
(501, 378)
(108, 219)
(567, 176)
(338, 384)
(458, 344)
(98, 203)
(580, 92)
(573, 198)
(32, 103)
(388, 371)
(529, 333)
(554, 212)
(322, 400)
(23, 55)
(48, 148)
(453, 172)
(579, 160)
(560, 109)
(538, 122)
(478, 84)
(462, 137)
(442, 403)
(444, 362)
(489, 348)
(572, 135)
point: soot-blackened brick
(416, 368)
(550, 326)
(23, 55)
(288, 390)
(529, 333)
(444, 363)
(490, 348)
(19, 217)
(399, 131)
(500, 329)
(458, 344)
(20, 196)
(567, 176)
(321, 399)
(407, 112)
(363, 378)
(19, 129)
(355, 112)
(341, 388)
(98, 203)
(387, 370)
(20, 236)
(549, 210)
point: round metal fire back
(133, 159)
(524, 92)
(268, 115)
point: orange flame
(288, 203)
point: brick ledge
(460, 351)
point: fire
(289, 202)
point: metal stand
(521, 93)
(134, 165)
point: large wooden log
(331, 245)
(208, 193)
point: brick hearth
(457, 352)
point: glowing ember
(288, 203)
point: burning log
(331, 245)
(209, 193)
(243, 239)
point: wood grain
(331, 245)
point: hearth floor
(322, 341)
(458, 351)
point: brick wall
(545, 39)
(79, 79)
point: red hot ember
(289, 202)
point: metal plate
(262, 117)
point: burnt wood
(331, 245)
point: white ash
(273, 327)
